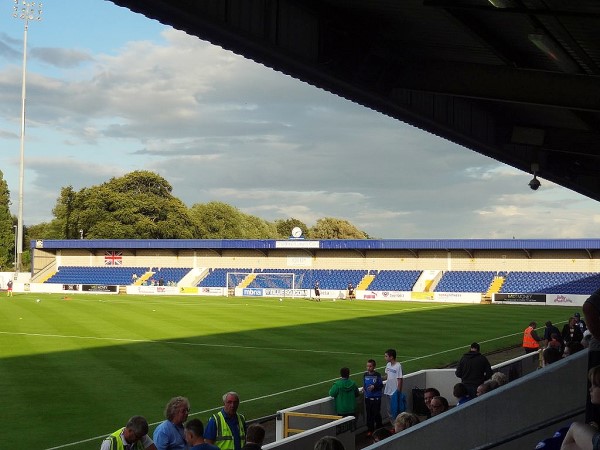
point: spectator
(170, 435)
(405, 420)
(439, 405)
(581, 435)
(531, 341)
(254, 437)
(351, 295)
(372, 388)
(500, 378)
(571, 331)
(591, 311)
(227, 425)
(580, 322)
(393, 375)
(461, 393)
(572, 347)
(344, 391)
(381, 434)
(555, 342)
(428, 395)
(133, 436)
(486, 387)
(194, 436)
(587, 337)
(550, 329)
(551, 355)
(473, 369)
(329, 443)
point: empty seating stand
(583, 283)
(465, 281)
(95, 275)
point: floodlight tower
(26, 11)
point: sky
(110, 91)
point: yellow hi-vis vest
(117, 442)
(224, 439)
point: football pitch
(74, 368)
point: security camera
(534, 184)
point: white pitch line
(193, 344)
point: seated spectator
(255, 435)
(380, 434)
(587, 337)
(551, 355)
(428, 395)
(554, 342)
(500, 378)
(461, 393)
(486, 387)
(405, 420)
(581, 435)
(439, 405)
(329, 443)
(572, 347)
(194, 436)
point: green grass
(75, 369)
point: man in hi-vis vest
(531, 341)
(227, 429)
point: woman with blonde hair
(405, 420)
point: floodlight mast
(26, 11)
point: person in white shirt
(393, 375)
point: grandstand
(439, 270)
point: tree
(218, 220)
(285, 227)
(138, 205)
(332, 228)
(7, 230)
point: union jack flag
(113, 258)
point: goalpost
(273, 284)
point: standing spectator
(554, 342)
(9, 286)
(133, 436)
(461, 393)
(531, 341)
(473, 369)
(351, 295)
(580, 322)
(551, 355)
(254, 437)
(372, 388)
(170, 435)
(344, 391)
(393, 375)
(571, 331)
(439, 405)
(428, 395)
(227, 425)
(194, 436)
(550, 330)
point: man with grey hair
(227, 429)
(170, 435)
(133, 436)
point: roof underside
(518, 81)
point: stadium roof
(359, 245)
(516, 80)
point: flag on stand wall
(113, 258)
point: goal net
(263, 284)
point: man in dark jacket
(473, 369)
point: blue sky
(110, 91)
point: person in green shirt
(344, 391)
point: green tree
(332, 228)
(138, 205)
(218, 220)
(7, 230)
(285, 227)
